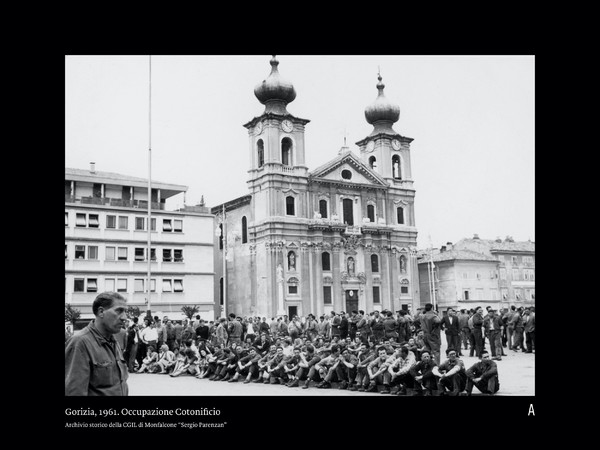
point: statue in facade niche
(279, 273)
(291, 261)
(402, 264)
(350, 266)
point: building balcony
(102, 201)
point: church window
(371, 213)
(348, 212)
(221, 237)
(327, 295)
(396, 173)
(374, 263)
(286, 151)
(373, 162)
(400, 215)
(261, 152)
(346, 174)
(326, 261)
(323, 208)
(290, 209)
(244, 230)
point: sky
(471, 118)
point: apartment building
(106, 244)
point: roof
(352, 159)
(120, 179)
(451, 255)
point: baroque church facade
(341, 237)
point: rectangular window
(376, 297)
(404, 289)
(178, 225)
(167, 254)
(78, 285)
(504, 294)
(480, 294)
(533, 294)
(167, 225)
(66, 219)
(66, 252)
(152, 224)
(140, 223)
(153, 285)
(140, 254)
(465, 275)
(292, 289)
(110, 254)
(122, 252)
(93, 252)
(166, 287)
(465, 295)
(111, 221)
(503, 274)
(138, 285)
(109, 284)
(152, 254)
(94, 221)
(515, 274)
(123, 222)
(514, 260)
(494, 294)
(178, 255)
(80, 252)
(122, 285)
(327, 295)
(92, 285)
(80, 220)
(178, 285)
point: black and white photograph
(331, 227)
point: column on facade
(336, 286)
(305, 278)
(318, 277)
(384, 269)
(369, 279)
(253, 280)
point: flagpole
(148, 250)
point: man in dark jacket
(422, 373)
(430, 324)
(344, 325)
(529, 329)
(451, 326)
(477, 331)
(483, 375)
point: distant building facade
(340, 237)
(106, 235)
(478, 271)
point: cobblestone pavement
(516, 373)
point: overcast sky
(471, 118)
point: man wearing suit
(477, 332)
(463, 325)
(451, 325)
(493, 327)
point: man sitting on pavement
(452, 375)
(483, 375)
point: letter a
(531, 411)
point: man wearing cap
(493, 328)
(376, 324)
(344, 325)
(430, 324)
(483, 375)
(390, 326)
(94, 362)
(325, 367)
(365, 356)
(451, 375)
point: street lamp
(221, 232)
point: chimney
(92, 167)
(449, 245)
(443, 248)
(475, 236)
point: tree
(132, 311)
(71, 314)
(189, 311)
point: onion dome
(382, 110)
(275, 92)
